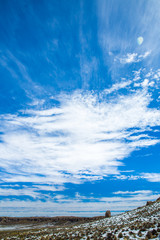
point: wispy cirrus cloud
(133, 192)
(132, 57)
(141, 17)
(20, 72)
(150, 177)
(38, 191)
(85, 138)
(65, 205)
(118, 86)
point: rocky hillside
(141, 223)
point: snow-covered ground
(141, 223)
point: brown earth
(56, 220)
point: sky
(79, 106)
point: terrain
(141, 223)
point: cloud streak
(132, 58)
(65, 205)
(85, 138)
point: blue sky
(79, 112)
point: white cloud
(133, 57)
(18, 192)
(34, 191)
(147, 80)
(137, 75)
(151, 177)
(118, 86)
(84, 139)
(76, 206)
(147, 83)
(133, 192)
(127, 177)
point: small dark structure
(149, 203)
(108, 214)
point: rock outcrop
(149, 203)
(158, 199)
(107, 214)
